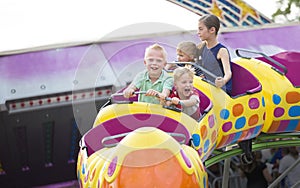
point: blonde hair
(158, 48)
(178, 72)
(189, 48)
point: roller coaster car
(263, 100)
(280, 79)
(132, 142)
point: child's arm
(224, 56)
(162, 96)
(170, 66)
(193, 100)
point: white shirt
(293, 175)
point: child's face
(183, 57)
(203, 32)
(184, 85)
(154, 62)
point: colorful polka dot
(253, 120)
(292, 97)
(237, 110)
(196, 140)
(253, 103)
(206, 145)
(213, 136)
(203, 132)
(276, 99)
(240, 122)
(227, 126)
(200, 151)
(294, 111)
(278, 112)
(224, 114)
(211, 121)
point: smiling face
(154, 62)
(184, 85)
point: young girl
(186, 52)
(183, 94)
(208, 27)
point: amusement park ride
(140, 144)
(126, 143)
(136, 144)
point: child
(186, 52)
(208, 27)
(154, 80)
(183, 94)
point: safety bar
(237, 51)
(197, 66)
(121, 94)
(109, 138)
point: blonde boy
(154, 80)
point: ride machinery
(137, 144)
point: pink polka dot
(278, 112)
(211, 121)
(253, 103)
(227, 126)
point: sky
(33, 23)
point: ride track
(264, 106)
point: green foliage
(289, 9)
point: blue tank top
(214, 65)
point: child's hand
(219, 82)
(175, 100)
(129, 92)
(168, 103)
(151, 92)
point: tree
(289, 10)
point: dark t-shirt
(256, 178)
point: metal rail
(262, 144)
(112, 138)
(237, 51)
(279, 178)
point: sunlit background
(33, 23)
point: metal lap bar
(121, 94)
(237, 51)
(197, 66)
(179, 135)
(109, 138)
